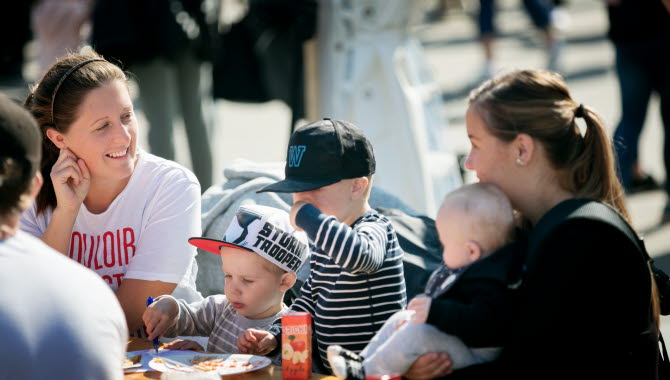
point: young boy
(463, 309)
(356, 276)
(260, 254)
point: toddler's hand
(421, 306)
(160, 316)
(183, 345)
(256, 342)
(294, 211)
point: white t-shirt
(144, 232)
(58, 320)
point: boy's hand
(160, 316)
(294, 211)
(256, 342)
(183, 345)
(421, 306)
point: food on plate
(131, 361)
(214, 363)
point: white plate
(257, 362)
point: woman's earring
(519, 162)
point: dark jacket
(638, 20)
(584, 309)
(477, 306)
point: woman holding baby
(587, 304)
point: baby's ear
(287, 281)
(474, 250)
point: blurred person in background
(163, 42)
(540, 12)
(640, 32)
(15, 32)
(58, 28)
(259, 57)
(372, 71)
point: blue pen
(150, 300)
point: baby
(463, 309)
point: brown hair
(538, 103)
(54, 101)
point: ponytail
(593, 172)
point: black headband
(579, 112)
(60, 82)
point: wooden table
(271, 372)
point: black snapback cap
(322, 153)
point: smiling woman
(106, 203)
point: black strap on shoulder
(584, 209)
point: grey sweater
(215, 317)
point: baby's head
(260, 253)
(473, 222)
(329, 164)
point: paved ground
(260, 132)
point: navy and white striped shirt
(356, 281)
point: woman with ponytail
(106, 203)
(587, 306)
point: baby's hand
(421, 306)
(294, 211)
(159, 316)
(183, 345)
(256, 342)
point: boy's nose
(236, 290)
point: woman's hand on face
(71, 180)
(429, 366)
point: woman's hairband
(579, 112)
(60, 82)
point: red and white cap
(266, 231)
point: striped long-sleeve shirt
(356, 281)
(216, 318)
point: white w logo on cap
(295, 153)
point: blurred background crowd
(220, 80)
